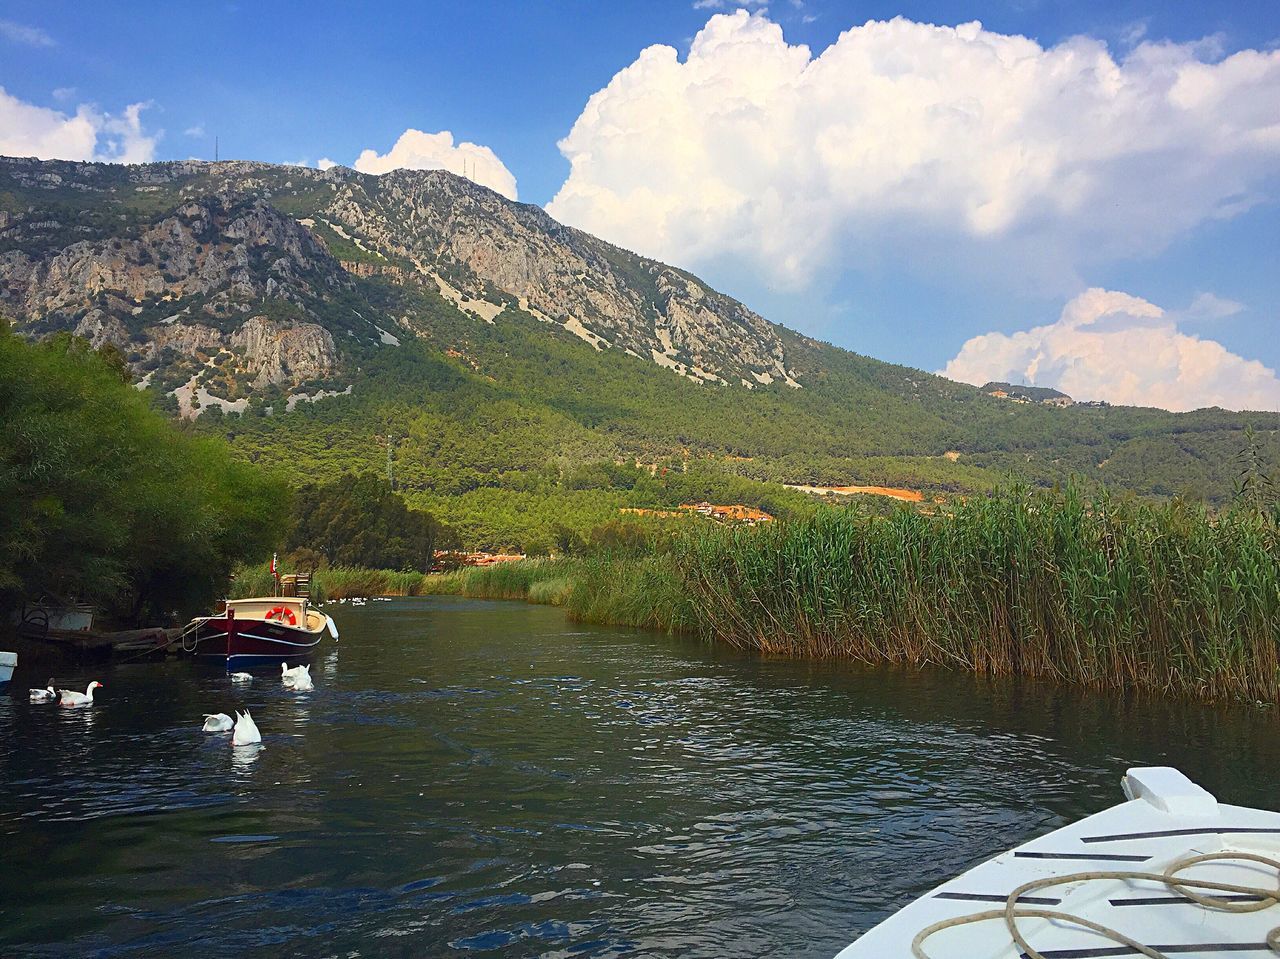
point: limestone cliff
(180, 263)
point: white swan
(217, 723)
(246, 731)
(290, 676)
(46, 695)
(242, 677)
(302, 680)
(72, 698)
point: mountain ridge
(484, 253)
(335, 315)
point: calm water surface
(483, 778)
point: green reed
(544, 578)
(622, 591)
(1109, 592)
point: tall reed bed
(640, 591)
(644, 591)
(1114, 593)
(537, 580)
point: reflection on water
(481, 777)
(243, 757)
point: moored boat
(7, 663)
(1169, 872)
(261, 631)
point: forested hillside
(520, 380)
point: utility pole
(215, 149)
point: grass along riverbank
(642, 591)
(1109, 593)
(333, 583)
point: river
(479, 778)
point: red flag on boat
(273, 564)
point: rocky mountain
(221, 281)
(515, 375)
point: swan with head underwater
(246, 731)
(71, 698)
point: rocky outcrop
(278, 354)
(186, 339)
(225, 251)
(482, 241)
(183, 285)
(220, 248)
(100, 328)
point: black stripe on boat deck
(1179, 900)
(1219, 831)
(1091, 856)
(1100, 953)
(991, 897)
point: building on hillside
(1020, 393)
(729, 514)
(452, 559)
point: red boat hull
(246, 643)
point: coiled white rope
(1011, 913)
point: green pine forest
(517, 435)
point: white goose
(217, 723)
(242, 677)
(71, 698)
(46, 695)
(246, 731)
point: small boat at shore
(1170, 872)
(261, 631)
(8, 661)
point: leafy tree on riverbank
(106, 501)
(361, 521)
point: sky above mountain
(1080, 195)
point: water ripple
(476, 777)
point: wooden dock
(120, 643)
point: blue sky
(277, 82)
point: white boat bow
(1171, 872)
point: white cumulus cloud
(416, 150)
(89, 134)
(1112, 346)
(911, 139)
